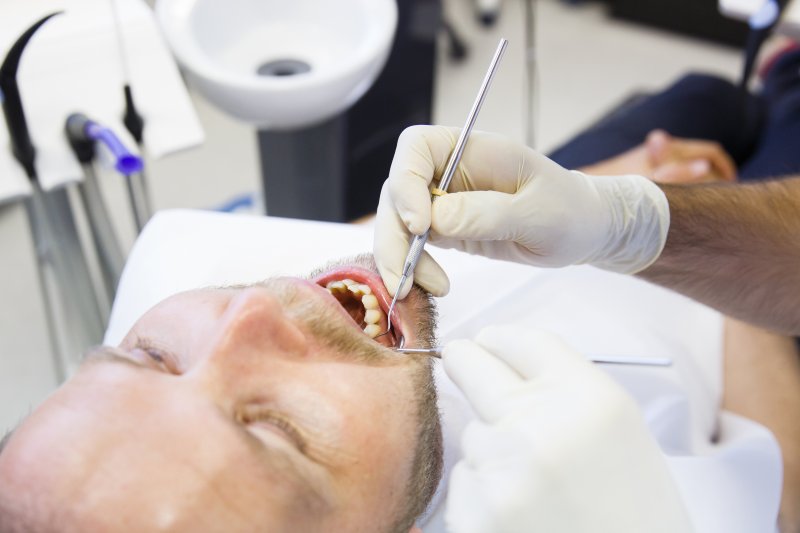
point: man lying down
(267, 408)
(250, 408)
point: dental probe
(602, 359)
(417, 245)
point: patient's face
(236, 409)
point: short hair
(427, 464)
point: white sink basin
(280, 64)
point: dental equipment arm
(19, 136)
(82, 133)
(509, 202)
(558, 446)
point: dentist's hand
(507, 201)
(559, 446)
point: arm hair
(736, 247)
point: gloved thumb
(474, 215)
(428, 274)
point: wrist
(638, 222)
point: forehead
(212, 297)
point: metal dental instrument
(436, 351)
(417, 245)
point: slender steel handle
(436, 351)
(414, 251)
(455, 157)
(417, 245)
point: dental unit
(62, 269)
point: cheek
(380, 417)
(382, 431)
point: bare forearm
(767, 390)
(736, 248)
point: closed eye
(255, 414)
(162, 357)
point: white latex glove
(559, 446)
(509, 202)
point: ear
(415, 529)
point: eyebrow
(274, 457)
(99, 354)
(287, 466)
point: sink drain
(283, 67)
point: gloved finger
(467, 510)
(429, 275)
(475, 215)
(417, 161)
(530, 352)
(486, 381)
(390, 247)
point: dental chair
(728, 468)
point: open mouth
(364, 298)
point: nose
(252, 330)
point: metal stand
(72, 309)
(42, 238)
(139, 199)
(106, 244)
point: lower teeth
(372, 330)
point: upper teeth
(370, 301)
(348, 284)
(373, 312)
